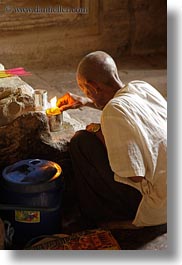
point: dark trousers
(100, 197)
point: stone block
(16, 98)
(29, 136)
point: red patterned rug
(97, 239)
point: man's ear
(93, 86)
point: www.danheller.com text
(49, 9)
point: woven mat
(97, 239)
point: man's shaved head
(98, 67)
(97, 77)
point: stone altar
(16, 98)
(26, 134)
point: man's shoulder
(133, 88)
(113, 108)
(111, 104)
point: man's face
(93, 92)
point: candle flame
(53, 102)
(54, 110)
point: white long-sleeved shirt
(134, 125)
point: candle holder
(40, 99)
(55, 121)
(54, 116)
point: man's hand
(96, 129)
(71, 101)
(136, 179)
(93, 127)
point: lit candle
(54, 110)
(55, 116)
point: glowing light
(54, 110)
(53, 102)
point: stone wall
(48, 33)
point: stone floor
(59, 81)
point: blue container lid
(32, 175)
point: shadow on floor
(153, 238)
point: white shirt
(134, 125)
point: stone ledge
(29, 136)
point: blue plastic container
(30, 198)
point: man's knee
(82, 140)
(78, 135)
(78, 139)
